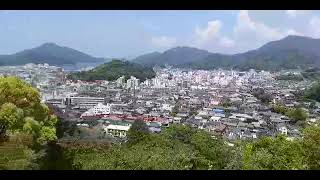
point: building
(84, 102)
(133, 83)
(282, 129)
(120, 81)
(99, 109)
(119, 130)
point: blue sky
(132, 33)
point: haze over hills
(289, 52)
(50, 53)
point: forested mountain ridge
(50, 53)
(291, 52)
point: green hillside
(113, 70)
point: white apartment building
(117, 130)
(85, 102)
(99, 109)
(133, 82)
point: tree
(313, 92)
(260, 94)
(311, 144)
(274, 154)
(297, 114)
(23, 115)
(182, 133)
(137, 132)
(18, 92)
(21, 110)
(11, 118)
(213, 150)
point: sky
(127, 34)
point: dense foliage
(274, 154)
(290, 77)
(313, 74)
(137, 132)
(179, 147)
(113, 70)
(295, 114)
(314, 92)
(24, 119)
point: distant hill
(174, 56)
(48, 53)
(290, 52)
(113, 70)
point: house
(282, 129)
(182, 114)
(167, 107)
(117, 130)
(215, 119)
(203, 113)
(154, 127)
(177, 120)
(140, 110)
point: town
(223, 103)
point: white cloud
(291, 13)
(227, 42)
(210, 32)
(247, 29)
(295, 13)
(293, 32)
(163, 41)
(247, 34)
(314, 25)
(250, 34)
(210, 37)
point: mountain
(113, 70)
(147, 58)
(47, 53)
(174, 56)
(300, 43)
(290, 52)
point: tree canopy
(314, 92)
(113, 70)
(24, 117)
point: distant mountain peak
(184, 48)
(296, 37)
(49, 44)
(289, 52)
(50, 53)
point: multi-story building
(133, 83)
(84, 102)
(99, 109)
(117, 129)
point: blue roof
(216, 109)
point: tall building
(133, 83)
(120, 81)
